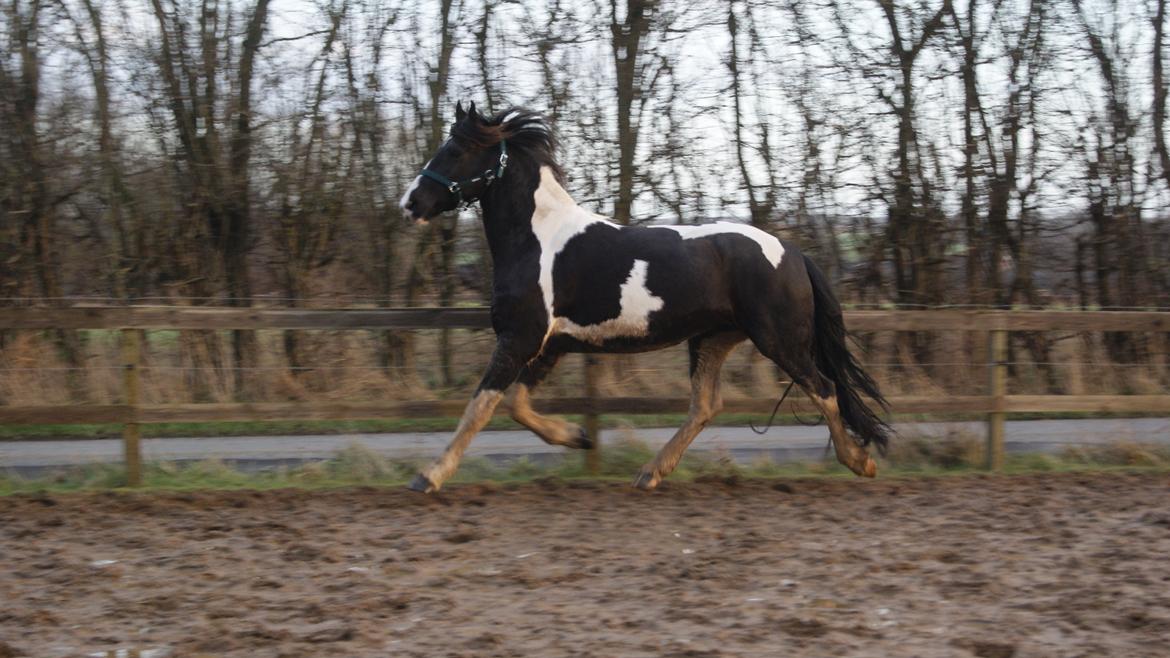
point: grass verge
(359, 465)
(56, 432)
(302, 427)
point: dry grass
(958, 449)
(357, 464)
(342, 365)
(1119, 453)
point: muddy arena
(1038, 565)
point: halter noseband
(456, 187)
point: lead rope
(777, 408)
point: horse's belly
(598, 334)
(638, 333)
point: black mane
(530, 137)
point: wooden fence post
(131, 445)
(592, 420)
(997, 345)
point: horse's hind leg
(707, 352)
(849, 453)
(553, 430)
(794, 356)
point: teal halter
(456, 187)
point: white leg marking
(477, 413)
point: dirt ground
(1043, 565)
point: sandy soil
(1053, 565)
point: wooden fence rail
(996, 325)
(204, 317)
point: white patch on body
(773, 250)
(637, 303)
(558, 219)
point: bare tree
(630, 24)
(31, 262)
(915, 234)
(312, 193)
(216, 174)
(761, 203)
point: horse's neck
(547, 213)
(556, 213)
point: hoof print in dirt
(329, 631)
(421, 484)
(462, 537)
(983, 649)
(804, 627)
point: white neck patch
(556, 220)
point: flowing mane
(529, 136)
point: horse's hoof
(866, 469)
(582, 441)
(646, 481)
(421, 484)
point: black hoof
(645, 481)
(582, 440)
(421, 484)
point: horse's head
(473, 157)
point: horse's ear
(459, 113)
(475, 118)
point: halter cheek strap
(456, 187)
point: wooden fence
(994, 325)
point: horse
(566, 280)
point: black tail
(835, 362)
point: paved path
(780, 443)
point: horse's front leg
(505, 365)
(553, 430)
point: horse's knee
(520, 410)
(716, 407)
(706, 408)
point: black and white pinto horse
(567, 280)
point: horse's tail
(835, 362)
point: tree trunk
(626, 43)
